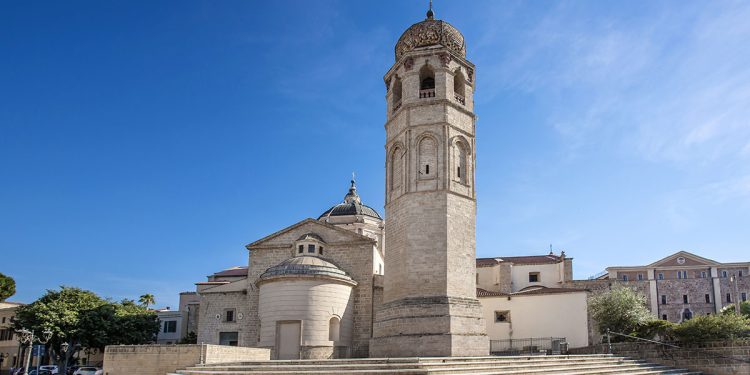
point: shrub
(620, 310)
(744, 309)
(655, 330)
(711, 327)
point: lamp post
(27, 337)
(733, 280)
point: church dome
(305, 265)
(352, 205)
(428, 33)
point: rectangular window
(301, 249)
(533, 277)
(229, 315)
(740, 273)
(321, 250)
(502, 316)
(228, 338)
(663, 299)
(679, 274)
(729, 298)
(640, 277)
(664, 317)
(684, 298)
(723, 273)
(703, 274)
(311, 249)
(3, 319)
(744, 296)
(661, 276)
(682, 274)
(624, 277)
(170, 326)
(708, 298)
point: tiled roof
(486, 293)
(234, 271)
(533, 290)
(530, 259)
(543, 290)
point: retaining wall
(705, 359)
(163, 359)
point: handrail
(609, 343)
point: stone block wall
(349, 251)
(163, 359)
(706, 358)
(215, 304)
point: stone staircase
(516, 365)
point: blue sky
(143, 144)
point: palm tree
(147, 299)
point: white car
(88, 371)
(51, 368)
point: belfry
(429, 297)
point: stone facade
(683, 284)
(429, 298)
(9, 348)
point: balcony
(426, 93)
(460, 99)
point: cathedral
(350, 284)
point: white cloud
(672, 86)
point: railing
(426, 93)
(529, 346)
(460, 99)
(668, 345)
(598, 275)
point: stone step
(414, 359)
(425, 365)
(518, 365)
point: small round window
(680, 260)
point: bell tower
(429, 297)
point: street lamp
(27, 337)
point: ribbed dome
(306, 266)
(428, 33)
(352, 205)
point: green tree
(147, 299)
(7, 287)
(744, 309)
(620, 310)
(711, 327)
(81, 318)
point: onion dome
(428, 33)
(306, 266)
(352, 205)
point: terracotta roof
(234, 271)
(532, 290)
(486, 293)
(544, 290)
(529, 259)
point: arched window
(334, 329)
(687, 314)
(460, 159)
(397, 166)
(426, 82)
(396, 93)
(427, 157)
(459, 87)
